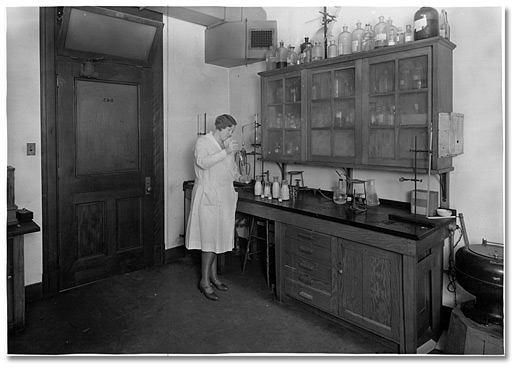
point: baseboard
(174, 253)
(34, 292)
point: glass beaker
(340, 193)
(372, 199)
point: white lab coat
(211, 224)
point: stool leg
(267, 251)
(253, 221)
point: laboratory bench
(378, 270)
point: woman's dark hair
(224, 121)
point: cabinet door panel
(369, 288)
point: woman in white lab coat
(211, 224)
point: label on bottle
(391, 42)
(442, 32)
(408, 38)
(381, 37)
(420, 24)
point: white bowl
(443, 212)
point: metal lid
(488, 251)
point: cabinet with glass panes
(374, 109)
(283, 118)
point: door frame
(49, 146)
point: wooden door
(105, 167)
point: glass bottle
(417, 76)
(258, 185)
(381, 33)
(426, 23)
(344, 42)
(276, 187)
(337, 86)
(408, 34)
(317, 51)
(270, 59)
(284, 192)
(340, 193)
(357, 38)
(368, 39)
(389, 30)
(305, 44)
(444, 28)
(372, 199)
(392, 38)
(400, 36)
(267, 190)
(292, 57)
(281, 56)
(332, 49)
(308, 53)
(384, 82)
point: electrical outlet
(31, 149)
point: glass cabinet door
(283, 118)
(398, 111)
(332, 115)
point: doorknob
(148, 185)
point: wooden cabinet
(375, 109)
(389, 287)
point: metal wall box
(450, 134)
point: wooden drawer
(306, 267)
(308, 236)
(308, 295)
(308, 250)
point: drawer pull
(306, 280)
(305, 249)
(305, 295)
(306, 266)
(305, 236)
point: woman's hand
(231, 145)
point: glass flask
(390, 28)
(270, 59)
(281, 56)
(292, 57)
(258, 186)
(345, 42)
(284, 192)
(340, 193)
(368, 39)
(372, 199)
(408, 34)
(444, 28)
(381, 33)
(357, 38)
(332, 49)
(276, 187)
(317, 51)
(426, 23)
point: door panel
(105, 153)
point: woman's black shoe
(219, 285)
(208, 292)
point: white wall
(23, 124)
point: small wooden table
(15, 273)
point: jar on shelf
(281, 56)
(390, 28)
(400, 36)
(270, 59)
(368, 39)
(444, 28)
(304, 45)
(408, 34)
(317, 51)
(284, 191)
(332, 49)
(344, 42)
(381, 33)
(392, 38)
(292, 57)
(276, 187)
(357, 38)
(258, 185)
(426, 23)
